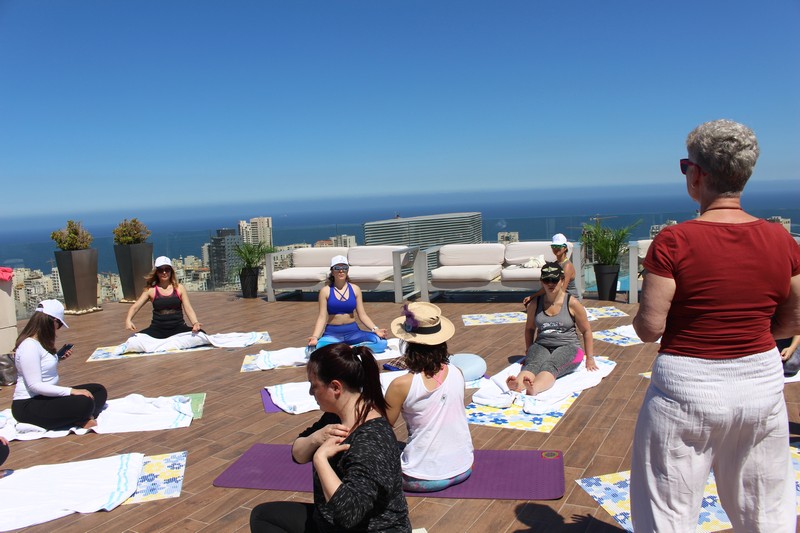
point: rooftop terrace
(595, 434)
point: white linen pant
(728, 415)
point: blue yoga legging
(412, 484)
(352, 335)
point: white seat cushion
(483, 273)
(521, 274)
(362, 274)
(316, 257)
(519, 253)
(371, 255)
(302, 274)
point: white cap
(339, 260)
(53, 308)
(163, 260)
(559, 239)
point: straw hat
(422, 323)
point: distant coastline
(534, 214)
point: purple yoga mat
(496, 474)
(269, 406)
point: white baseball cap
(52, 308)
(559, 239)
(163, 260)
(339, 260)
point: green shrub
(252, 254)
(131, 232)
(607, 244)
(73, 237)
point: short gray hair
(727, 151)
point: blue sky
(131, 105)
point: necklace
(716, 208)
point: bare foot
(528, 382)
(90, 423)
(512, 383)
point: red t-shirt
(729, 278)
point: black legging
(60, 412)
(283, 517)
(3, 453)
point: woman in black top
(170, 301)
(357, 477)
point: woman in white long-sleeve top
(38, 398)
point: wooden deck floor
(595, 435)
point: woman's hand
(335, 431)
(382, 333)
(786, 353)
(196, 327)
(66, 355)
(312, 340)
(330, 447)
(129, 325)
(591, 365)
(81, 392)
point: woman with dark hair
(170, 301)
(339, 304)
(715, 400)
(356, 464)
(552, 346)
(38, 398)
(430, 397)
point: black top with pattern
(370, 497)
(167, 316)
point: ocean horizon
(534, 216)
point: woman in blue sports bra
(339, 304)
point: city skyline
(133, 106)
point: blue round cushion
(472, 366)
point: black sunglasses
(164, 269)
(340, 268)
(685, 165)
(551, 280)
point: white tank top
(439, 444)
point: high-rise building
(259, 229)
(222, 258)
(344, 240)
(428, 230)
(783, 221)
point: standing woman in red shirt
(715, 399)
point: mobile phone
(64, 349)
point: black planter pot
(606, 276)
(248, 277)
(77, 270)
(134, 262)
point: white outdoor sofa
(487, 267)
(637, 250)
(373, 268)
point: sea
(534, 214)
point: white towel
(269, 359)
(42, 493)
(294, 398)
(122, 415)
(141, 343)
(494, 395)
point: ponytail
(356, 369)
(371, 390)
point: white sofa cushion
(644, 245)
(489, 253)
(519, 253)
(371, 255)
(455, 273)
(316, 257)
(301, 274)
(516, 273)
(366, 274)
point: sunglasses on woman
(164, 270)
(685, 165)
(340, 268)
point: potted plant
(134, 257)
(606, 245)
(77, 266)
(251, 256)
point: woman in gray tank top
(551, 336)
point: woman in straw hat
(340, 303)
(38, 398)
(430, 397)
(551, 336)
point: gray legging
(558, 361)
